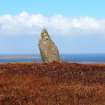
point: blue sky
(76, 26)
(73, 8)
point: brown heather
(52, 84)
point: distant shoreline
(72, 58)
(15, 56)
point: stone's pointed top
(44, 31)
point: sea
(72, 58)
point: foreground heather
(52, 84)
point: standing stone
(48, 49)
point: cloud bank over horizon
(31, 24)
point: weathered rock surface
(48, 50)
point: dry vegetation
(52, 84)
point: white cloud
(31, 24)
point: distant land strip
(15, 56)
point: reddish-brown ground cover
(52, 84)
